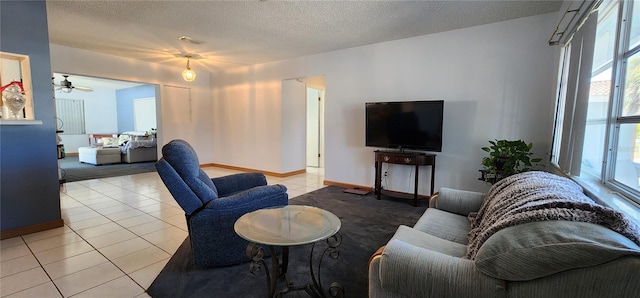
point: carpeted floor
(74, 170)
(367, 224)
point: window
(599, 91)
(597, 125)
(71, 115)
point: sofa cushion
(445, 225)
(457, 201)
(537, 249)
(431, 242)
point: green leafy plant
(507, 158)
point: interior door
(313, 127)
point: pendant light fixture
(188, 74)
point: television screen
(405, 125)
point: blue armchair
(212, 206)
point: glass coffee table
(284, 227)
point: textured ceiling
(238, 33)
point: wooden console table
(416, 159)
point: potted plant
(507, 158)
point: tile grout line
(102, 254)
(41, 267)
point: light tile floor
(119, 233)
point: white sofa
(127, 147)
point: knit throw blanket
(539, 196)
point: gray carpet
(74, 170)
(367, 224)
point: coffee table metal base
(279, 267)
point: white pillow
(135, 133)
(123, 139)
(109, 142)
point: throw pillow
(109, 142)
(537, 249)
(122, 139)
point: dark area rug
(367, 224)
(74, 170)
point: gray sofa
(532, 235)
(140, 154)
(139, 150)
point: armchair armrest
(228, 185)
(419, 272)
(457, 201)
(273, 195)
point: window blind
(574, 16)
(71, 114)
(576, 97)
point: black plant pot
(499, 162)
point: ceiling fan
(66, 86)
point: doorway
(315, 98)
(302, 124)
(109, 106)
(314, 103)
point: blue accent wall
(124, 101)
(29, 187)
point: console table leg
(415, 185)
(433, 175)
(378, 184)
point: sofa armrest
(457, 201)
(228, 185)
(418, 272)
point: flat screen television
(405, 125)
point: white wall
(196, 130)
(294, 126)
(497, 81)
(247, 122)
(100, 115)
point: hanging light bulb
(188, 74)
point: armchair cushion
(180, 191)
(182, 157)
(533, 250)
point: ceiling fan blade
(85, 89)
